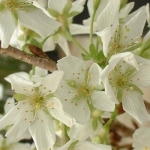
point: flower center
(83, 91)
(16, 4)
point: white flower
(65, 13)
(123, 78)
(28, 15)
(141, 139)
(83, 145)
(35, 109)
(81, 88)
(11, 144)
(120, 37)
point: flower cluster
(73, 107)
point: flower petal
(94, 75)
(22, 121)
(133, 28)
(38, 21)
(10, 103)
(126, 10)
(105, 35)
(8, 24)
(79, 29)
(62, 42)
(77, 6)
(73, 68)
(57, 5)
(101, 101)
(57, 112)
(142, 77)
(134, 105)
(49, 83)
(42, 131)
(109, 16)
(20, 84)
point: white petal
(22, 121)
(133, 28)
(48, 45)
(42, 131)
(101, 101)
(77, 6)
(57, 5)
(79, 29)
(100, 8)
(126, 10)
(20, 84)
(7, 26)
(142, 77)
(78, 110)
(51, 82)
(10, 103)
(57, 112)
(62, 42)
(109, 16)
(40, 72)
(134, 105)
(38, 21)
(85, 145)
(12, 115)
(73, 67)
(94, 75)
(127, 57)
(105, 35)
(109, 91)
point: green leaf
(35, 42)
(85, 57)
(93, 51)
(19, 97)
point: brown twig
(44, 63)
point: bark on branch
(44, 63)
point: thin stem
(44, 63)
(91, 26)
(76, 42)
